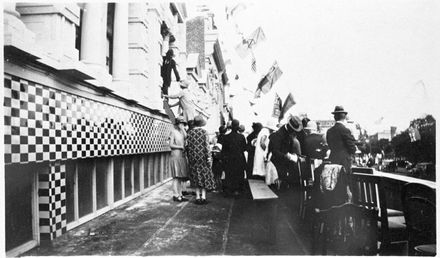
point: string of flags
(245, 48)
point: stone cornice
(70, 11)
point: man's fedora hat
(295, 124)
(339, 109)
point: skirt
(178, 164)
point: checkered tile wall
(52, 201)
(46, 124)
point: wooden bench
(260, 191)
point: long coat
(234, 146)
(342, 145)
(281, 143)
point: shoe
(198, 201)
(183, 199)
(203, 201)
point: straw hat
(295, 124)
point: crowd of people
(271, 152)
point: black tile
(23, 140)
(23, 104)
(6, 102)
(24, 157)
(7, 83)
(31, 148)
(23, 87)
(31, 98)
(15, 112)
(15, 148)
(7, 120)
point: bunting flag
(288, 103)
(254, 64)
(256, 37)
(277, 107)
(231, 11)
(244, 47)
(268, 80)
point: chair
(306, 184)
(368, 191)
(348, 229)
(419, 207)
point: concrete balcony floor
(153, 224)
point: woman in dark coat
(234, 146)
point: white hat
(311, 125)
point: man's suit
(281, 143)
(168, 66)
(342, 145)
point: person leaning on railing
(185, 103)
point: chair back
(419, 208)
(351, 229)
(368, 191)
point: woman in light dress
(178, 163)
(262, 164)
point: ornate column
(120, 48)
(93, 37)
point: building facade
(84, 126)
(206, 68)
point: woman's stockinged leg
(176, 187)
(203, 193)
(197, 193)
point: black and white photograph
(219, 128)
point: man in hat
(315, 145)
(250, 148)
(234, 146)
(285, 147)
(340, 140)
(186, 103)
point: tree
(420, 150)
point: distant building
(324, 125)
(206, 67)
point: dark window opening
(78, 33)
(109, 41)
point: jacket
(281, 143)
(342, 145)
(167, 67)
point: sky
(378, 59)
